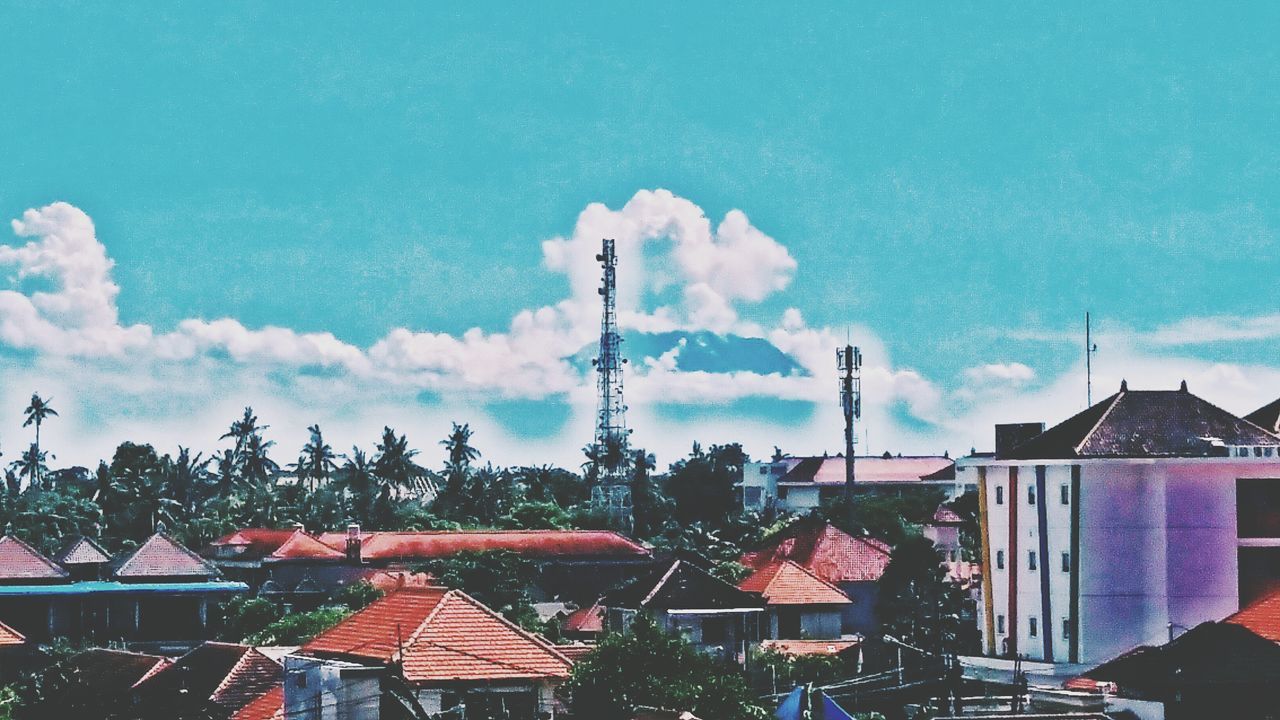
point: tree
(317, 461)
(243, 616)
(394, 463)
(36, 413)
(500, 579)
(919, 606)
(298, 628)
(703, 486)
(649, 667)
(30, 466)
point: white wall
(330, 691)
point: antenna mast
(1089, 349)
(611, 453)
(849, 363)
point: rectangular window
(782, 493)
(1066, 628)
(999, 559)
(953, 554)
(1065, 490)
(1031, 559)
(764, 469)
(751, 496)
(1031, 494)
(1032, 627)
(1066, 562)
(1000, 624)
(999, 494)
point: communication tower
(611, 449)
(849, 363)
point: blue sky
(952, 187)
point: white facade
(768, 482)
(1124, 549)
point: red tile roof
(301, 546)
(267, 706)
(529, 543)
(161, 556)
(225, 674)
(872, 469)
(253, 675)
(259, 542)
(585, 620)
(20, 561)
(784, 582)
(576, 651)
(389, 581)
(10, 637)
(826, 551)
(1262, 617)
(82, 551)
(809, 647)
(445, 634)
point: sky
(388, 215)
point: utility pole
(849, 363)
(1089, 349)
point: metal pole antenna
(849, 363)
(1089, 349)
(612, 492)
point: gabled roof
(20, 561)
(585, 620)
(161, 556)
(870, 469)
(824, 550)
(258, 542)
(267, 706)
(1266, 417)
(1262, 617)
(784, 582)
(528, 543)
(81, 550)
(113, 673)
(439, 635)
(1223, 655)
(10, 637)
(253, 675)
(301, 546)
(945, 516)
(1142, 424)
(681, 585)
(225, 674)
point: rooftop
(21, 562)
(162, 556)
(1224, 655)
(444, 543)
(267, 706)
(1262, 617)
(113, 672)
(224, 674)
(258, 542)
(301, 546)
(681, 585)
(824, 550)
(1266, 417)
(10, 637)
(440, 635)
(80, 550)
(585, 620)
(870, 469)
(784, 582)
(810, 647)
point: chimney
(1011, 435)
(353, 543)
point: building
(267, 706)
(159, 593)
(14, 648)
(214, 680)
(431, 649)
(945, 530)
(1149, 510)
(98, 683)
(800, 484)
(683, 598)
(799, 605)
(853, 564)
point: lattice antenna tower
(612, 492)
(849, 364)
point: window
(751, 496)
(1242, 452)
(1065, 491)
(1066, 628)
(1033, 627)
(953, 554)
(789, 627)
(999, 559)
(764, 469)
(300, 679)
(1267, 451)
(1031, 494)
(715, 630)
(1000, 624)
(999, 494)
(1031, 559)
(1257, 452)
(782, 493)
(1066, 562)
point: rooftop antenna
(849, 364)
(1089, 349)
(611, 457)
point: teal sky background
(963, 182)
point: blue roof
(94, 587)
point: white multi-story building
(800, 484)
(1146, 514)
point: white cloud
(1223, 328)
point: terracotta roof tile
(826, 551)
(445, 634)
(784, 582)
(82, 551)
(576, 651)
(267, 706)
(586, 620)
(10, 637)
(391, 580)
(529, 543)
(1261, 616)
(258, 542)
(194, 678)
(253, 675)
(301, 546)
(161, 556)
(20, 561)
(810, 647)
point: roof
(301, 546)
(113, 672)
(945, 516)
(161, 556)
(1262, 617)
(528, 543)
(225, 674)
(1142, 424)
(784, 582)
(10, 637)
(103, 587)
(810, 647)
(80, 550)
(20, 561)
(267, 706)
(585, 620)
(1266, 417)
(392, 580)
(575, 651)
(1223, 655)
(253, 675)
(681, 585)
(824, 550)
(870, 469)
(445, 635)
(259, 542)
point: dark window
(1066, 562)
(715, 630)
(300, 679)
(764, 469)
(1031, 494)
(788, 624)
(1066, 628)
(1032, 627)
(1258, 508)
(999, 559)
(782, 493)
(751, 495)
(1031, 559)
(1000, 624)
(1066, 494)
(999, 494)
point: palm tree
(37, 412)
(30, 465)
(360, 484)
(461, 453)
(316, 462)
(394, 462)
(243, 429)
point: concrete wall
(329, 690)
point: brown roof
(253, 675)
(528, 543)
(10, 637)
(224, 674)
(809, 647)
(267, 706)
(1266, 417)
(784, 582)
(113, 672)
(445, 635)
(1144, 423)
(1262, 616)
(871, 469)
(258, 542)
(161, 556)
(82, 551)
(301, 546)
(20, 561)
(826, 551)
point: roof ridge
(661, 581)
(1115, 401)
(36, 553)
(226, 679)
(534, 637)
(173, 543)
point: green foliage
(890, 516)
(536, 515)
(919, 606)
(702, 486)
(966, 506)
(731, 571)
(298, 628)
(243, 616)
(650, 667)
(791, 670)
(357, 595)
(44, 517)
(500, 579)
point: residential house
(14, 649)
(97, 683)
(584, 624)
(1148, 510)
(431, 650)
(800, 484)
(683, 598)
(853, 564)
(799, 604)
(267, 706)
(214, 680)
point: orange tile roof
(391, 580)
(784, 582)
(576, 651)
(267, 706)
(10, 637)
(82, 551)
(529, 543)
(445, 635)
(20, 561)
(1262, 617)
(809, 647)
(161, 556)
(826, 551)
(254, 674)
(258, 541)
(586, 620)
(301, 546)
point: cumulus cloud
(1224, 328)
